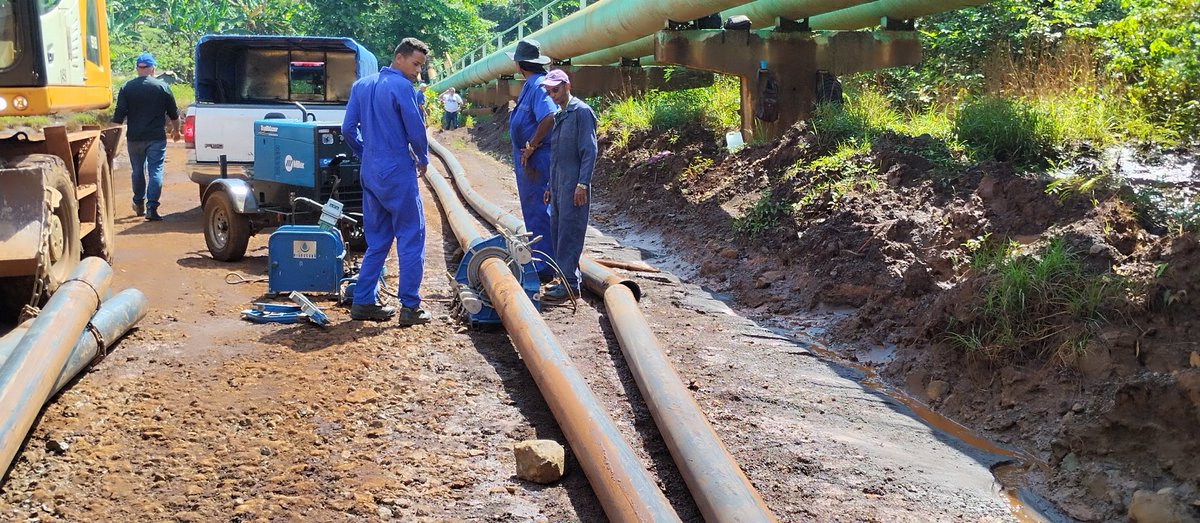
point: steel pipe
(624, 487)
(720, 488)
(871, 14)
(116, 316)
(28, 377)
(598, 26)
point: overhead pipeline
(597, 26)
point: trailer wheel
(100, 242)
(225, 231)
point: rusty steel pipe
(624, 487)
(720, 488)
(28, 377)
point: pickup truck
(244, 79)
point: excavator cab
(53, 57)
(56, 191)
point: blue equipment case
(305, 258)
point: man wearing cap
(573, 158)
(384, 126)
(144, 104)
(529, 128)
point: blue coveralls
(533, 104)
(385, 128)
(572, 161)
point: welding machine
(471, 300)
(305, 258)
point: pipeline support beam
(794, 58)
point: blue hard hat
(146, 60)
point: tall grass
(1045, 304)
(715, 108)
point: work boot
(153, 216)
(546, 276)
(410, 316)
(138, 210)
(371, 312)
(555, 294)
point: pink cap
(555, 77)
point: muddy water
(1011, 476)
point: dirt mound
(891, 233)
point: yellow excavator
(56, 187)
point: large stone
(935, 390)
(539, 460)
(1158, 507)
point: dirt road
(199, 416)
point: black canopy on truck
(255, 68)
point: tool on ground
(304, 309)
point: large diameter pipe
(597, 26)
(762, 14)
(721, 490)
(116, 316)
(28, 377)
(623, 486)
(871, 14)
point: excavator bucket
(22, 220)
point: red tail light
(189, 131)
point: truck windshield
(306, 80)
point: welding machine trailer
(292, 159)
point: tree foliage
(1155, 50)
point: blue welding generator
(305, 258)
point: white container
(733, 141)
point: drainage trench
(717, 484)
(1011, 474)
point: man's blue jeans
(450, 120)
(147, 159)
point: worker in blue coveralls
(529, 128)
(573, 158)
(385, 127)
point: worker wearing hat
(529, 128)
(573, 159)
(144, 104)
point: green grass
(1008, 130)
(714, 107)
(15, 122)
(1044, 305)
(184, 95)
(764, 215)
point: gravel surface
(199, 416)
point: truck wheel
(62, 249)
(225, 231)
(100, 242)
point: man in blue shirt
(573, 158)
(144, 104)
(385, 127)
(529, 128)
